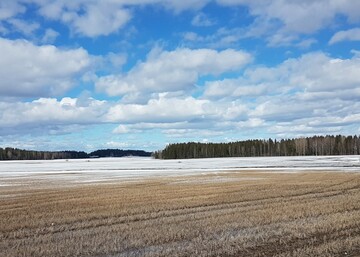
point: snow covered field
(107, 169)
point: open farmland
(281, 207)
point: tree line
(316, 145)
(9, 153)
(118, 153)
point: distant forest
(19, 154)
(316, 145)
(119, 153)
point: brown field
(247, 213)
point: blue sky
(86, 74)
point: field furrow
(232, 214)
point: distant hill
(118, 153)
(9, 153)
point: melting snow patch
(110, 169)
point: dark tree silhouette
(316, 145)
(19, 154)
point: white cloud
(162, 110)
(48, 113)
(299, 129)
(232, 88)
(175, 116)
(92, 18)
(298, 95)
(10, 8)
(49, 36)
(201, 20)
(25, 27)
(282, 20)
(318, 72)
(185, 125)
(87, 18)
(284, 108)
(31, 70)
(313, 72)
(171, 71)
(115, 144)
(314, 93)
(179, 6)
(282, 39)
(221, 38)
(192, 36)
(232, 37)
(345, 35)
(99, 19)
(121, 129)
(306, 43)
(117, 60)
(192, 133)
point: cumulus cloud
(299, 129)
(345, 35)
(288, 116)
(314, 93)
(310, 73)
(305, 92)
(91, 18)
(287, 19)
(26, 28)
(98, 19)
(117, 60)
(232, 88)
(302, 92)
(56, 116)
(192, 134)
(87, 18)
(47, 113)
(162, 110)
(10, 8)
(319, 114)
(175, 116)
(49, 36)
(306, 43)
(318, 72)
(31, 70)
(201, 20)
(170, 71)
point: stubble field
(233, 213)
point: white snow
(132, 168)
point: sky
(140, 74)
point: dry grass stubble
(230, 214)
